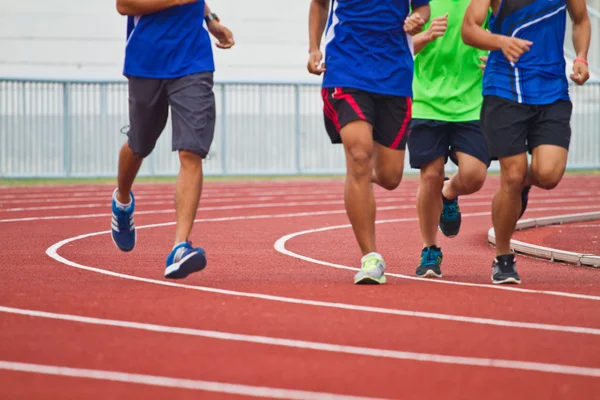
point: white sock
(119, 204)
(177, 244)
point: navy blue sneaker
(184, 260)
(504, 270)
(431, 262)
(524, 200)
(450, 219)
(122, 226)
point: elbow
(123, 8)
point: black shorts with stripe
(389, 115)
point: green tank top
(447, 79)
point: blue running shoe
(431, 262)
(122, 226)
(450, 219)
(184, 260)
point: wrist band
(581, 60)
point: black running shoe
(450, 219)
(431, 261)
(524, 199)
(504, 270)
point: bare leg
(357, 137)
(429, 201)
(388, 166)
(129, 165)
(506, 205)
(187, 193)
(548, 164)
(469, 179)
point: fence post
(223, 129)
(67, 128)
(297, 128)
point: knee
(432, 176)
(473, 180)
(360, 160)
(547, 179)
(513, 179)
(389, 181)
(189, 159)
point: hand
(315, 65)
(483, 59)
(413, 24)
(222, 34)
(580, 72)
(437, 28)
(513, 48)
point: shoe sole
(124, 249)
(195, 262)
(369, 280)
(510, 280)
(451, 236)
(430, 274)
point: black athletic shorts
(389, 115)
(512, 128)
(431, 139)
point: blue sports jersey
(366, 47)
(168, 44)
(539, 76)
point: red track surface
(581, 237)
(244, 221)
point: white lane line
(270, 205)
(281, 242)
(75, 207)
(220, 195)
(317, 346)
(177, 383)
(52, 252)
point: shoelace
(124, 221)
(450, 211)
(370, 263)
(429, 257)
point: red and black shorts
(389, 115)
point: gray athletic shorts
(192, 104)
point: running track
(275, 314)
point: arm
(436, 29)
(317, 19)
(418, 18)
(218, 30)
(582, 32)
(143, 7)
(473, 33)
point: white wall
(86, 38)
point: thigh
(428, 141)
(553, 126)
(468, 139)
(505, 125)
(392, 121)
(342, 106)
(193, 112)
(148, 114)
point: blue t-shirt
(168, 44)
(366, 47)
(538, 77)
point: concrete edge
(549, 253)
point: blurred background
(63, 99)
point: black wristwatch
(212, 16)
